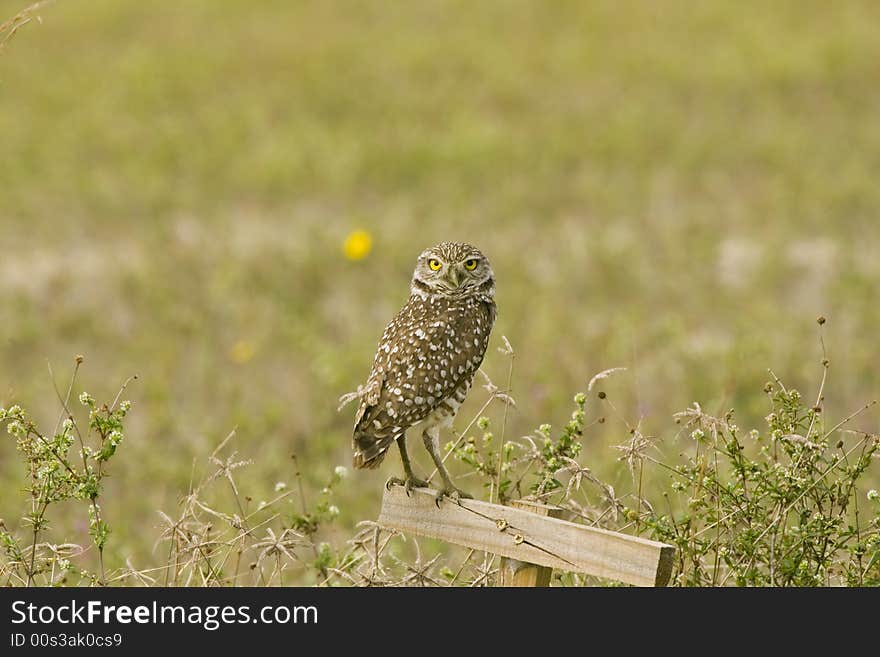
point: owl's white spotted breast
(426, 359)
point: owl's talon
(414, 482)
(453, 493)
(408, 484)
(394, 481)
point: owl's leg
(431, 438)
(411, 481)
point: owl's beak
(452, 276)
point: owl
(426, 360)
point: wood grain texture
(529, 537)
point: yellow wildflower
(357, 245)
(242, 351)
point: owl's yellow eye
(434, 264)
(471, 264)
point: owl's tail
(370, 449)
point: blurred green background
(674, 187)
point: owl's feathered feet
(408, 483)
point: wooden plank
(513, 572)
(529, 537)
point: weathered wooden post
(530, 536)
(520, 573)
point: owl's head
(453, 269)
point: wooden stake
(521, 573)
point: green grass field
(676, 188)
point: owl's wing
(374, 431)
(369, 395)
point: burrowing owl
(427, 358)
